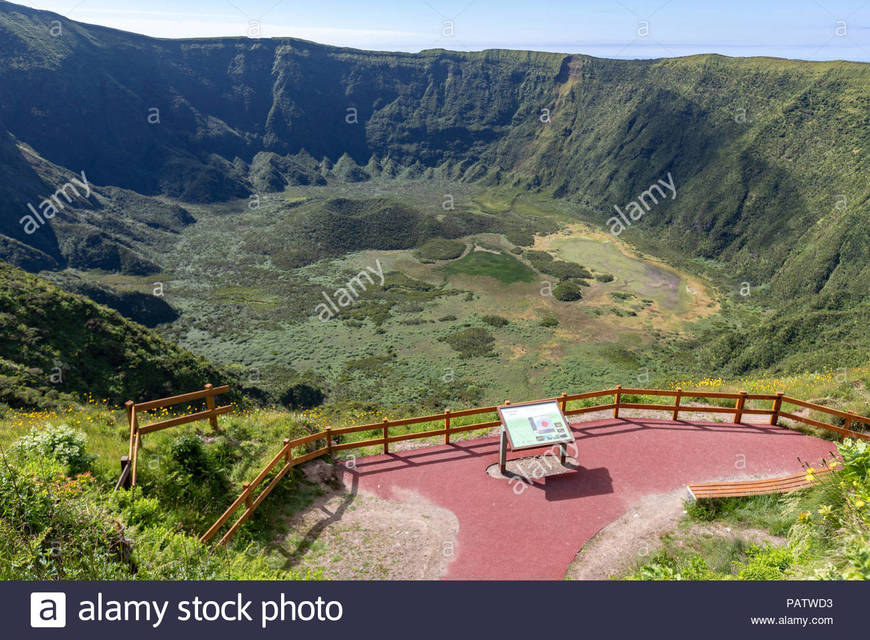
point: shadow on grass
(311, 536)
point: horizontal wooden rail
(847, 433)
(597, 407)
(705, 409)
(311, 456)
(184, 397)
(358, 444)
(475, 427)
(645, 406)
(823, 409)
(726, 395)
(587, 395)
(473, 412)
(759, 412)
(185, 419)
(314, 437)
(283, 454)
(629, 391)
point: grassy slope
(179, 501)
(111, 536)
(54, 343)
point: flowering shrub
(62, 443)
(52, 527)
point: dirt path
(614, 548)
(636, 537)
(351, 535)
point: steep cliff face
(769, 157)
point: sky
(805, 29)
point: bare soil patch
(356, 536)
(637, 536)
(614, 548)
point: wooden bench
(736, 489)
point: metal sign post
(502, 451)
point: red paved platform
(508, 533)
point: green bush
(567, 291)
(441, 249)
(765, 563)
(302, 396)
(56, 527)
(545, 263)
(520, 238)
(474, 341)
(604, 277)
(190, 478)
(549, 320)
(495, 321)
(61, 443)
(188, 454)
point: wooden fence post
(777, 404)
(136, 442)
(447, 426)
(848, 424)
(248, 502)
(125, 464)
(676, 415)
(127, 460)
(209, 403)
(563, 402)
(738, 410)
(328, 431)
(129, 407)
(288, 454)
(386, 435)
(617, 398)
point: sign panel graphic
(535, 424)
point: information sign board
(535, 424)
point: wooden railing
(327, 438)
(129, 463)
